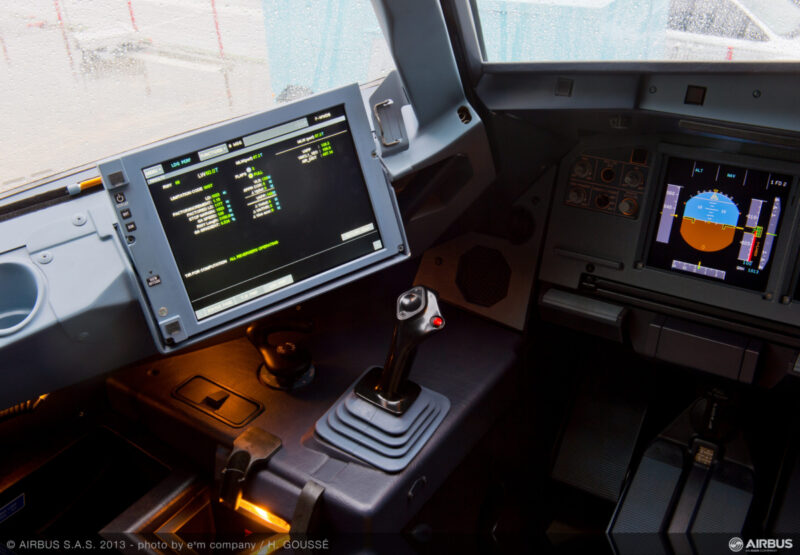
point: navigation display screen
(264, 211)
(719, 222)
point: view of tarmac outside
(640, 30)
(81, 80)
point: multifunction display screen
(719, 222)
(261, 212)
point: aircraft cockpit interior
(485, 276)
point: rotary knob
(576, 196)
(628, 206)
(633, 178)
(582, 169)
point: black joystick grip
(417, 318)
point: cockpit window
(716, 18)
(81, 80)
(781, 16)
(640, 30)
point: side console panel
(67, 306)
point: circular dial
(576, 196)
(633, 178)
(582, 169)
(628, 206)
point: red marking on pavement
(5, 50)
(64, 34)
(730, 53)
(222, 54)
(216, 27)
(133, 17)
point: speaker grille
(483, 276)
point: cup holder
(20, 296)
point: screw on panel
(401, 248)
(163, 311)
(756, 93)
(45, 257)
(464, 115)
(78, 219)
(652, 90)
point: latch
(251, 451)
(387, 103)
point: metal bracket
(387, 103)
(375, 110)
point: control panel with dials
(611, 185)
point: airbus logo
(736, 544)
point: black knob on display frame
(286, 363)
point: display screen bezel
(657, 185)
(657, 217)
(167, 303)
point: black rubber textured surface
(380, 438)
(598, 443)
(646, 504)
(726, 502)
